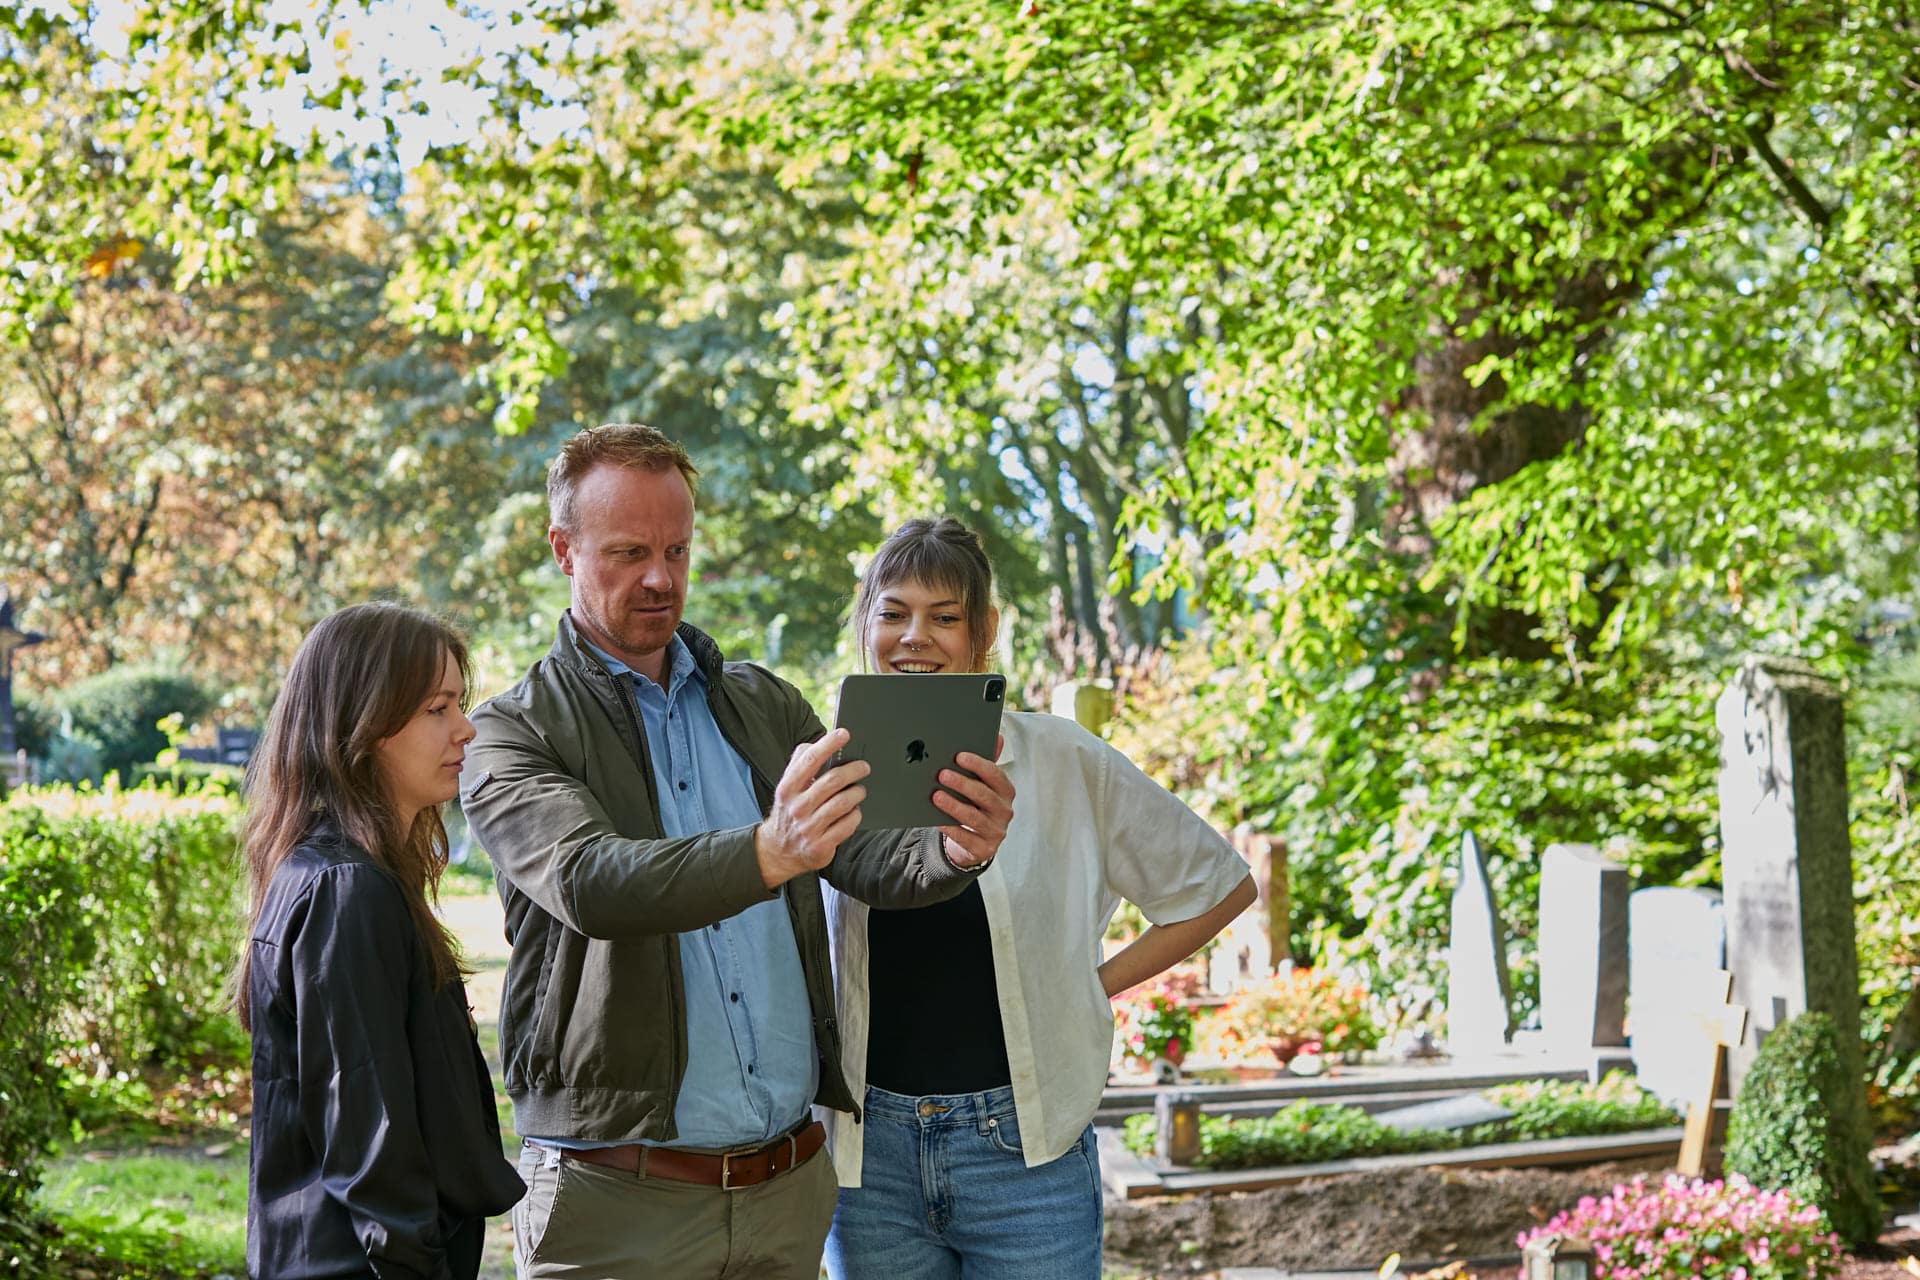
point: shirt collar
(680, 663)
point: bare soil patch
(1352, 1221)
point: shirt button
(683, 786)
(735, 997)
(749, 1068)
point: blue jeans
(945, 1194)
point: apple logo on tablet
(916, 751)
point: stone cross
(12, 640)
(1479, 1004)
(1786, 862)
(1720, 1024)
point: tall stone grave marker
(1479, 1005)
(1583, 949)
(1677, 942)
(1251, 946)
(1786, 863)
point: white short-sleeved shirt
(1088, 830)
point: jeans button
(926, 1109)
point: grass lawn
(176, 1209)
(156, 1198)
(161, 1187)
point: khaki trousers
(581, 1221)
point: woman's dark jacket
(374, 1131)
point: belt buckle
(726, 1161)
(726, 1170)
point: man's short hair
(617, 444)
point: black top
(936, 1008)
(375, 1141)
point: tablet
(909, 728)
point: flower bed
(1291, 1012)
(1726, 1230)
(1153, 1024)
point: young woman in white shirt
(980, 1028)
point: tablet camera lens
(995, 688)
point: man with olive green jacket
(660, 820)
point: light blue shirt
(752, 1067)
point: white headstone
(1479, 1017)
(1242, 955)
(1583, 949)
(1677, 942)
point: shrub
(190, 775)
(1300, 1133)
(71, 760)
(45, 941)
(1798, 1123)
(119, 711)
(34, 723)
(1713, 1230)
(1293, 1009)
(1564, 1108)
(161, 893)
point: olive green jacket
(559, 791)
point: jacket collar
(570, 649)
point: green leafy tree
(207, 473)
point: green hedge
(159, 887)
(1798, 1124)
(190, 775)
(45, 945)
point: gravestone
(1463, 1112)
(1087, 702)
(12, 640)
(1479, 1018)
(1583, 949)
(1677, 941)
(1786, 862)
(1246, 950)
(1241, 956)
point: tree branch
(1797, 191)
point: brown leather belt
(728, 1170)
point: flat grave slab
(1461, 1112)
(1369, 1088)
(1125, 1176)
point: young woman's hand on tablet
(981, 808)
(814, 809)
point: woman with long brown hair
(376, 1147)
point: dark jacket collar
(571, 649)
